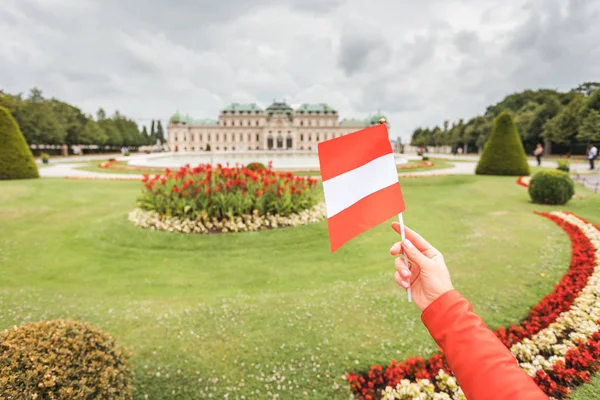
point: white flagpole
(402, 236)
(383, 121)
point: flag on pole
(360, 183)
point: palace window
(200, 136)
(217, 137)
(241, 137)
(302, 137)
(225, 148)
(208, 139)
(224, 123)
(256, 122)
(175, 137)
(249, 138)
(317, 138)
(258, 137)
(301, 123)
(217, 148)
(325, 138)
(224, 137)
(309, 137)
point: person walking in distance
(592, 154)
(539, 150)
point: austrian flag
(360, 182)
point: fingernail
(408, 244)
(404, 272)
(395, 248)
(405, 284)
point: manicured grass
(591, 391)
(269, 312)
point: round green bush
(16, 160)
(62, 359)
(255, 166)
(503, 153)
(551, 187)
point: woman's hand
(428, 275)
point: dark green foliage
(565, 119)
(16, 160)
(503, 153)
(563, 164)
(51, 121)
(62, 359)
(551, 187)
(253, 166)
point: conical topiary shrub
(16, 160)
(503, 153)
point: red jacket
(484, 368)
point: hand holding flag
(360, 183)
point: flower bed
(420, 164)
(523, 181)
(222, 199)
(114, 165)
(558, 344)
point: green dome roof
(310, 108)
(279, 107)
(374, 120)
(176, 118)
(249, 108)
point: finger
(414, 254)
(400, 281)
(402, 267)
(396, 249)
(414, 237)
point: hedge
(62, 359)
(503, 153)
(551, 187)
(16, 160)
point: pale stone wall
(258, 131)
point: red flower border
(369, 385)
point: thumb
(414, 254)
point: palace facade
(243, 127)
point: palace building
(245, 127)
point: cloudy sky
(418, 61)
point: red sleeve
(484, 368)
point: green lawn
(268, 312)
(591, 391)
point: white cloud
(418, 62)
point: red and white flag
(360, 183)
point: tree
(147, 138)
(93, 133)
(565, 126)
(153, 132)
(38, 121)
(159, 133)
(16, 160)
(590, 128)
(587, 88)
(503, 153)
(71, 119)
(594, 101)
